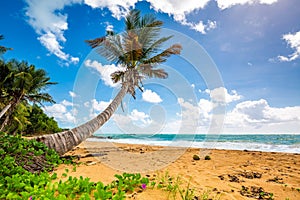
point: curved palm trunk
(65, 141)
(4, 110)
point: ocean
(288, 143)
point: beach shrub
(207, 157)
(196, 157)
(128, 182)
(40, 123)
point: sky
(238, 72)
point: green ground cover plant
(25, 173)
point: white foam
(210, 145)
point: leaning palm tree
(20, 83)
(137, 51)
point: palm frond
(39, 98)
(155, 46)
(132, 20)
(95, 42)
(112, 48)
(162, 57)
(149, 71)
(117, 76)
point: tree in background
(21, 83)
(3, 49)
(40, 123)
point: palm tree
(3, 49)
(137, 51)
(19, 83)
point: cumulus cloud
(205, 106)
(254, 115)
(190, 115)
(104, 71)
(245, 117)
(201, 26)
(62, 112)
(180, 9)
(95, 107)
(224, 4)
(151, 97)
(49, 23)
(118, 8)
(222, 96)
(293, 40)
(135, 116)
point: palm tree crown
(137, 50)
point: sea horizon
(285, 143)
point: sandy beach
(229, 174)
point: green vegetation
(20, 84)
(207, 157)
(196, 157)
(180, 189)
(3, 49)
(19, 156)
(40, 123)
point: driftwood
(34, 164)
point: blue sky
(238, 73)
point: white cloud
(99, 106)
(66, 103)
(205, 106)
(151, 97)
(49, 23)
(95, 107)
(293, 40)
(201, 27)
(190, 115)
(118, 8)
(138, 116)
(109, 27)
(224, 4)
(62, 112)
(180, 9)
(221, 95)
(246, 117)
(121, 120)
(104, 71)
(259, 116)
(72, 94)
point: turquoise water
(269, 142)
